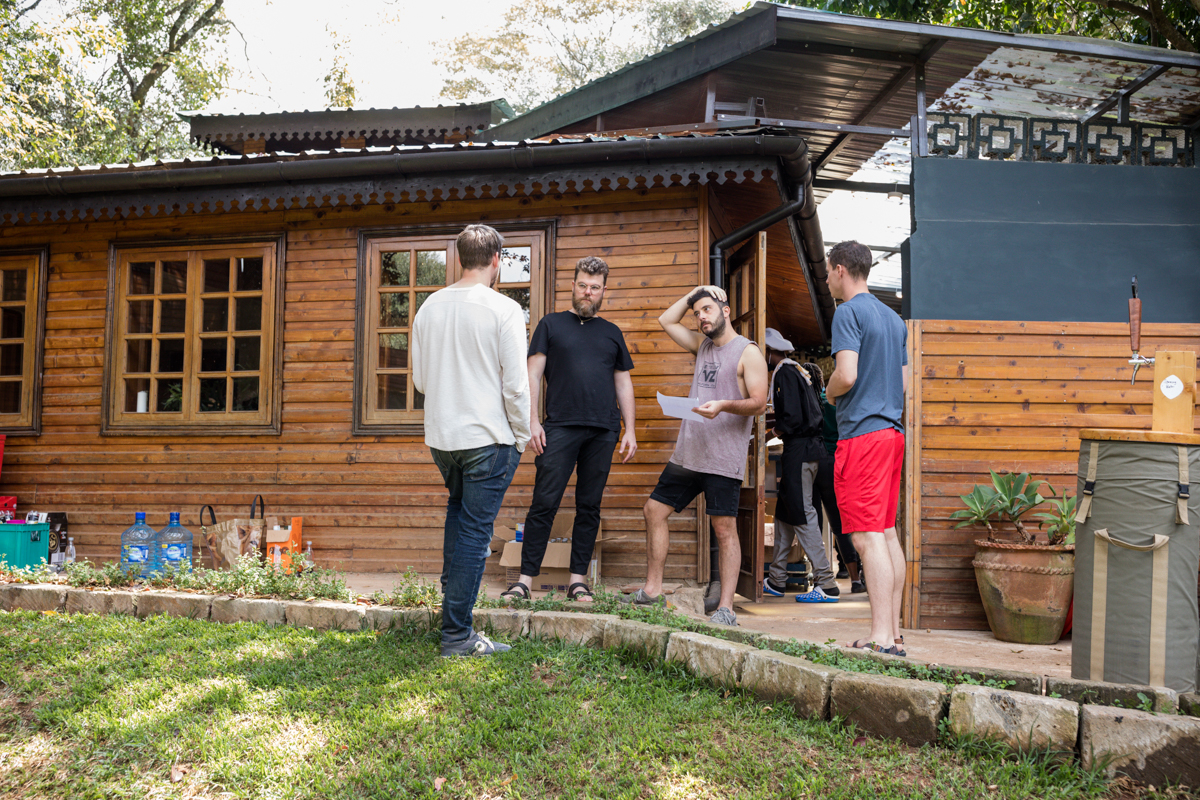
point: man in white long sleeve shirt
(468, 353)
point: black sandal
(518, 591)
(577, 589)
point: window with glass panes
(194, 337)
(19, 345)
(402, 272)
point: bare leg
(877, 561)
(730, 556)
(657, 542)
(899, 571)
(852, 567)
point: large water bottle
(174, 546)
(138, 547)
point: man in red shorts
(867, 387)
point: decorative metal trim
(391, 189)
(1164, 146)
(1109, 143)
(949, 135)
(1000, 137)
(1054, 140)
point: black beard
(584, 309)
(718, 328)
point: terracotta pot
(1026, 589)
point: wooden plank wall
(1009, 396)
(369, 503)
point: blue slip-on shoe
(771, 590)
(817, 595)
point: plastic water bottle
(69, 558)
(308, 557)
(520, 532)
(174, 546)
(138, 547)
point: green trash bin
(24, 544)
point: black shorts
(678, 486)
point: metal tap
(1135, 333)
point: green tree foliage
(340, 91)
(546, 47)
(1164, 23)
(111, 76)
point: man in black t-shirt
(589, 392)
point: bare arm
(537, 366)
(514, 376)
(843, 377)
(672, 321)
(752, 368)
(624, 384)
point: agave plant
(1059, 521)
(982, 503)
(1016, 494)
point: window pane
(170, 395)
(11, 358)
(212, 394)
(172, 315)
(393, 269)
(216, 274)
(174, 277)
(522, 298)
(170, 355)
(393, 351)
(245, 394)
(245, 353)
(248, 314)
(421, 298)
(216, 314)
(137, 355)
(137, 395)
(514, 264)
(141, 278)
(431, 268)
(418, 400)
(12, 323)
(249, 274)
(212, 357)
(392, 390)
(10, 397)
(141, 316)
(393, 310)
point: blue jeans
(477, 480)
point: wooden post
(1174, 391)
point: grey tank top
(716, 446)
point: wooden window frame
(115, 421)
(367, 421)
(28, 421)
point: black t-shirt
(581, 357)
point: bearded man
(730, 381)
(588, 394)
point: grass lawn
(112, 706)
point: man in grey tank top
(730, 381)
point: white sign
(1171, 387)
(680, 407)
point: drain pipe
(716, 259)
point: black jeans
(588, 452)
(823, 496)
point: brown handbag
(241, 536)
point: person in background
(867, 387)
(730, 380)
(468, 357)
(797, 421)
(823, 493)
(588, 394)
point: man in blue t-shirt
(589, 392)
(867, 387)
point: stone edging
(1152, 748)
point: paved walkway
(843, 621)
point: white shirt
(468, 353)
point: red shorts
(866, 480)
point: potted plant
(1025, 585)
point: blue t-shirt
(876, 401)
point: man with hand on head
(730, 380)
(867, 388)
(588, 393)
(468, 357)
(798, 422)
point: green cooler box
(25, 545)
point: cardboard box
(556, 566)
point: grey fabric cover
(1135, 498)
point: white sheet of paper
(680, 407)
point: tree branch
(35, 3)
